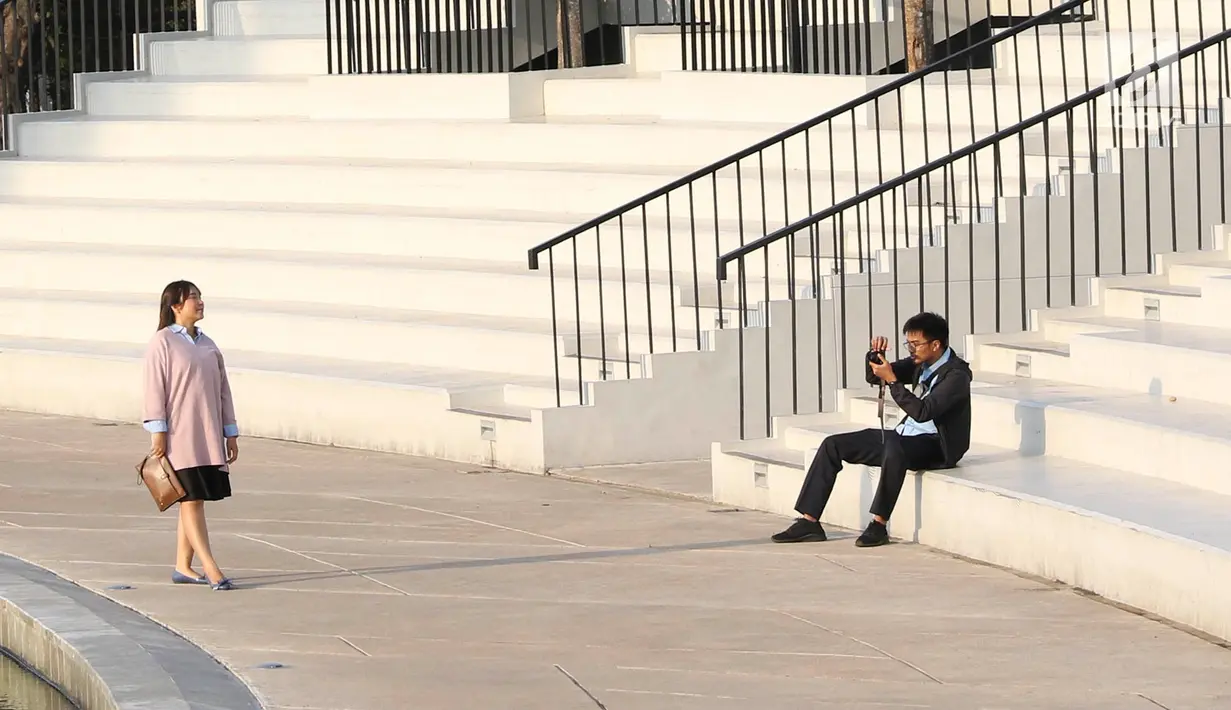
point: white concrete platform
(1098, 450)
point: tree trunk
(17, 19)
(918, 34)
(569, 47)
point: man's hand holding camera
(880, 366)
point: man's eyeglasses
(913, 346)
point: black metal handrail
(823, 36)
(1025, 239)
(470, 36)
(846, 108)
(749, 193)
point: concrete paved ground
(384, 582)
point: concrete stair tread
(961, 134)
(398, 374)
(245, 39)
(1123, 498)
(1120, 497)
(212, 79)
(554, 222)
(1172, 335)
(581, 170)
(682, 280)
(1161, 290)
(1214, 264)
(1032, 344)
(561, 221)
(769, 451)
(431, 319)
(1185, 415)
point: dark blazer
(947, 404)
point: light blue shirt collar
(177, 328)
(931, 369)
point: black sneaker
(802, 530)
(875, 535)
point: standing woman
(189, 412)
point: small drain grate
(1023, 365)
(1153, 309)
(760, 475)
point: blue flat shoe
(222, 586)
(178, 577)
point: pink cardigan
(186, 385)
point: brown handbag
(164, 484)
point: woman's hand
(232, 449)
(158, 444)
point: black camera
(875, 356)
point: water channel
(22, 690)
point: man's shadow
(269, 580)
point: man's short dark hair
(933, 327)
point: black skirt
(205, 483)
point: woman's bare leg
(184, 553)
(193, 512)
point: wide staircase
(361, 239)
(361, 236)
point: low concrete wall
(104, 656)
(46, 651)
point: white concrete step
(233, 97)
(1197, 274)
(1058, 52)
(990, 100)
(239, 56)
(273, 227)
(520, 346)
(1133, 539)
(400, 234)
(582, 191)
(462, 286)
(1172, 304)
(1135, 355)
(382, 406)
(252, 18)
(614, 97)
(1149, 435)
(674, 145)
(1143, 434)
(1024, 355)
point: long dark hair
(173, 295)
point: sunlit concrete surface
(383, 582)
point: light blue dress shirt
(159, 426)
(910, 427)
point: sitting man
(934, 434)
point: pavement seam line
(580, 686)
(673, 694)
(1152, 701)
(323, 562)
(839, 564)
(881, 651)
(346, 641)
(42, 443)
(462, 517)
